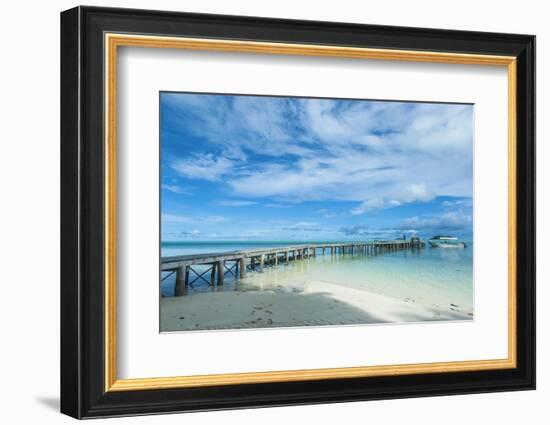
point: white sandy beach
(318, 303)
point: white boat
(446, 242)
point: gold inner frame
(113, 41)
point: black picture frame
(83, 392)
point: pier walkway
(238, 263)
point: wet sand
(318, 303)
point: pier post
(242, 267)
(286, 257)
(221, 272)
(181, 282)
(213, 275)
(262, 260)
(276, 259)
(314, 251)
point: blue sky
(281, 168)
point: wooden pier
(238, 263)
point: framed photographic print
(261, 212)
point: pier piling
(181, 282)
(242, 267)
(221, 272)
(213, 275)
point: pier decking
(238, 263)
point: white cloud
(458, 202)
(175, 189)
(370, 233)
(205, 167)
(447, 221)
(307, 223)
(178, 218)
(175, 218)
(407, 194)
(215, 219)
(237, 203)
(271, 205)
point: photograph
(280, 211)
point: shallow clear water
(430, 276)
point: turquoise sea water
(430, 276)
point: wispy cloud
(302, 229)
(272, 205)
(236, 203)
(458, 202)
(368, 232)
(447, 222)
(178, 219)
(204, 167)
(193, 233)
(409, 193)
(175, 189)
(304, 226)
(307, 223)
